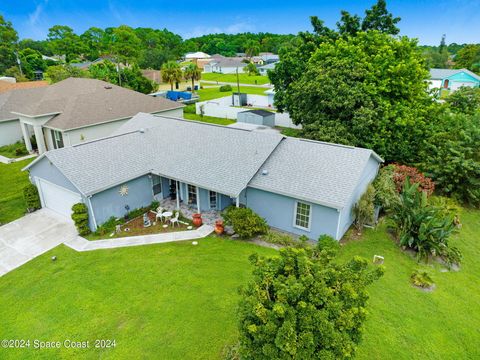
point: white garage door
(57, 198)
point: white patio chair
(159, 213)
(174, 220)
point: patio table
(167, 215)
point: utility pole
(19, 63)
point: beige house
(73, 111)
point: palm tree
(171, 73)
(193, 72)
(252, 48)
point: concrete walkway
(6, 160)
(32, 235)
(80, 244)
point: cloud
(33, 17)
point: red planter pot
(197, 220)
(219, 228)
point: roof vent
(108, 87)
(264, 172)
(141, 130)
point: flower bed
(135, 227)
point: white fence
(222, 108)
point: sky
(426, 20)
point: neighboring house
(269, 57)
(263, 70)
(226, 65)
(257, 60)
(257, 117)
(453, 79)
(300, 186)
(72, 111)
(8, 86)
(152, 75)
(196, 55)
(270, 97)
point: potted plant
(197, 219)
(219, 228)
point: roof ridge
(103, 138)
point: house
(257, 117)
(300, 186)
(8, 86)
(72, 111)
(196, 55)
(226, 65)
(263, 70)
(269, 57)
(453, 79)
(152, 75)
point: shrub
(421, 279)
(245, 222)
(465, 100)
(32, 198)
(108, 226)
(364, 209)
(451, 157)
(189, 109)
(154, 205)
(279, 238)
(21, 151)
(402, 172)
(421, 226)
(326, 242)
(225, 88)
(302, 305)
(385, 190)
(80, 218)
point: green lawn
(208, 119)
(10, 151)
(407, 323)
(232, 78)
(214, 93)
(12, 181)
(169, 301)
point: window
(192, 194)
(57, 139)
(213, 199)
(157, 185)
(302, 215)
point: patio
(209, 217)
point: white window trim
(188, 193)
(309, 217)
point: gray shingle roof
(218, 158)
(83, 102)
(318, 172)
(439, 74)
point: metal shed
(257, 117)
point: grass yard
(208, 119)
(168, 301)
(214, 92)
(12, 182)
(232, 78)
(407, 323)
(15, 150)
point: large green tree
(469, 57)
(366, 90)
(125, 44)
(63, 41)
(303, 305)
(8, 39)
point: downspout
(93, 213)
(338, 224)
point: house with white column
(73, 111)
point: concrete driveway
(30, 236)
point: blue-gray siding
(110, 203)
(44, 169)
(279, 211)
(369, 174)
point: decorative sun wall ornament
(123, 190)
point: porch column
(26, 136)
(237, 201)
(198, 199)
(178, 195)
(40, 139)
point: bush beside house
(80, 218)
(245, 222)
(32, 198)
